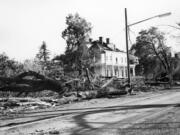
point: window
(116, 60)
(122, 71)
(122, 60)
(107, 72)
(111, 57)
(106, 58)
(116, 72)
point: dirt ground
(144, 113)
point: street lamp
(126, 35)
(157, 16)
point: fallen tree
(33, 82)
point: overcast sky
(24, 24)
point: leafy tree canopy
(76, 34)
(151, 49)
(9, 67)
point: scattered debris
(48, 132)
(54, 132)
(103, 87)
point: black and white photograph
(89, 67)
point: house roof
(105, 46)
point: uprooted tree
(32, 82)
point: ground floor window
(116, 72)
(122, 73)
(131, 71)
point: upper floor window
(111, 57)
(106, 57)
(122, 60)
(116, 60)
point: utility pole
(127, 28)
(127, 48)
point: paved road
(95, 117)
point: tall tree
(42, 59)
(150, 47)
(75, 34)
(43, 54)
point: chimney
(114, 47)
(107, 40)
(101, 40)
(90, 40)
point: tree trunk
(36, 83)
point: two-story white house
(109, 61)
